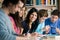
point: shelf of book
(43, 3)
(49, 5)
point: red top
(16, 29)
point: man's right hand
(47, 29)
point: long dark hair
(35, 23)
(17, 19)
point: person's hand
(34, 34)
(22, 38)
(21, 30)
(47, 29)
(58, 30)
(28, 35)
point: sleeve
(24, 24)
(58, 24)
(46, 22)
(24, 27)
(4, 34)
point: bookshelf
(42, 4)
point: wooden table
(45, 38)
(49, 38)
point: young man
(53, 24)
(6, 31)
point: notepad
(57, 37)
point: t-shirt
(40, 28)
(52, 25)
(6, 31)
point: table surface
(45, 38)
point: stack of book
(42, 2)
(46, 2)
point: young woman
(6, 32)
(31, 21)
(16, 20)
(22, 12)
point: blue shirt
(6, 31)
(40, 28)
(52, 25)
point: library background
(42, 4)
(49, 5)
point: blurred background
(49, 5)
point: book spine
(51, 2)
(55, 2)
(46, 2)
(42, 1)
(37, 2)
